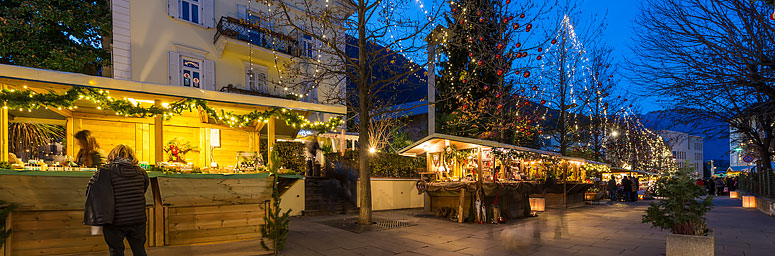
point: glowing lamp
(537, 204)
(749, 202)
(733, 194)
(589, 196)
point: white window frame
(253, 78)
(183, 69)
(200, 10)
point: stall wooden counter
(182, 209)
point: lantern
(749, 202)
(733, 194)
(537, 204)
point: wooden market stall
(464, 174)
(646, 179)
(209, 183)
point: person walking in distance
(612, 188)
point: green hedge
(291, 155)
(383, 165)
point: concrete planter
(680, 245)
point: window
(191, 72)
(308, 46)
(189, 10)
(257, 81)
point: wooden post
(4, 131)
(69, 133)
(158, 213)
(342, 143)
(460, 205)
(479, 168)
(158, 128)
(565, 186)
(6, 249)
(270, 133)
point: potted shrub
(683, 213)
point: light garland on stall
(29, 100)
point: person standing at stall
(627, 186)
(129, 183)
(719, 186)
(635, 189)
(612, 188)
(90, 155)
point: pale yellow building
(210, 45)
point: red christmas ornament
(516, 26)
(486, 87)
(464, 81)
(540, 49)
(630, 105)
(527, 74)
(508, 1)
(522, 90)
(554, 41)
(625, 99)
(597, 73)
(772, 16)
(518, 45)
(505, 20)
(481, 38)
(524, 54)
(535, 88)
(465, 106)
(480, 62)
(498, 95)
(611, 76)
(479, 13)
(528, 27)
(497, 56)
(522, 15)
(500, 107)
(454, 9)
(500, 72)
(543, 102)
(499, 46)
(470, 54)
(481, 19)
(470, 39)
(538, 57)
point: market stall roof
(617, 169)
(739, 168)
(436, 143)
(9, 73)
(600, 163)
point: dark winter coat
(100, 206)
(129, 185)
(627, 185)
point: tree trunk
(765, 168)
(364, 216)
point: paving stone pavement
(591, 230)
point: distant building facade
(687, 150)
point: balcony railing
(244, 31)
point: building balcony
(240, 35)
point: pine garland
(28, 100)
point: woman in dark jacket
(627, 186)
(90, 154)
(129, 184)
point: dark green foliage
(275, 225)
(292, 155)
(683, 211)
(5, 210)
(62, 35)
(383, 165)
(5, 165)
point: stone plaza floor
(605, 229)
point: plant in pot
(683, 213)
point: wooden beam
(4, 130)
(158, 213)
(38, 120)
(158, 142)
(461, 202)
(270, 132)
(342, 143)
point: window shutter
(172, 8)
(209, 17)
(209, 78)
(242, 11)
(174, 68)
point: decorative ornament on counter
(28, 100)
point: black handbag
(100, 203)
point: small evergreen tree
(683, 211)
(276, 222)
(5, 210)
